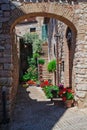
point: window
(54, 50)
(32, 29)
(44, 32)
(62, 65)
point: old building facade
(74, 15)
(61, 34)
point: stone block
(1, 66)
(6, 14)
(5, 73)
(4, 36)
(8, 66)
(8, 46)
(5, 60)
(4, 1)
(0, 25)
(81, 94)
(81, 87)
(6, 55)
(2, 47)
(1, 12)
(6, 81)
(5, 7)
(7, 52)
(4, 19)
(1, 31)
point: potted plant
(51, 66)
(41, 61)
(51, 91)
(67, 96)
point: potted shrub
(51, 91)
(41, 61)
(51, 66)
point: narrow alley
(34, 112)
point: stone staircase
(46, 75)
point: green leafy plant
(51, 91)
(36, 55)
(29, 38)
(25, 77)
(36, 43)
(41, 61)
(31, 74)
(31, 71)
(33, 39)
(37, 46)
(51, 66)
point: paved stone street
(34, 112)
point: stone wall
(80, 59)
(5, 53)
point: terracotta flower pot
(69, 103)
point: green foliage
(25, 77)
(69, 96)
(31, 73)
(31, 62)
(51, 66)
(30, 38)
(33, 39)
(51, 91)
(36, 55)
(37, 46)
(41, 61)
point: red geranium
(45, 83)
(31, 82)
(66, 94)
(62, 91)
(64, 99)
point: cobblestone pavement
(34, 112)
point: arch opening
(40, 14)
(51, 16)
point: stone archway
(63, 13)
(40, 9)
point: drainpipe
(5, 119)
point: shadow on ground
(31, 114)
